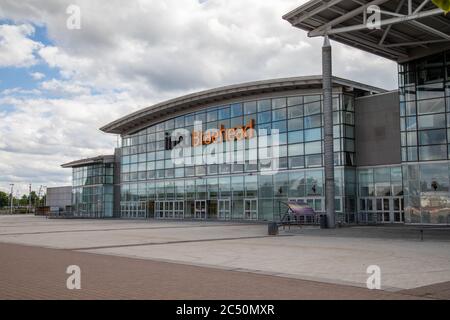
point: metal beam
(349, 15)
(308, 15)
(415, 43)
(430, 29)
(429, 13)
(420, 7)
(399, 7)
(368, 43)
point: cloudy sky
(59, 85)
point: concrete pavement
(338, 257)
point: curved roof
(140, 118)
(89, 161)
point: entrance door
(224, 209)
(178, 210)
(200, 209)
(251, 209)
(159, 209)
(168, 214)
(398, 213)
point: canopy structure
(406, 29)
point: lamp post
(29, 200)
(12, 197)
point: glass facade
(152, 185)
(380, 195)
(425, 137)
(92, 191)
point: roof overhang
(90, 161)
(145, 116)
(406, 29)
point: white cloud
(16, 49)
(65, 87)
(37, 75)
(132, 55)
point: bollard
(273, 228)
(421, 234)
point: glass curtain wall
(150, 179)
(92, 192)
(425, 137)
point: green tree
(4, 199)
(23, 201)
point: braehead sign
(211, 136)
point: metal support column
(328, 130)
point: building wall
(93, 190)
(425, 138)
(59, 197)
(377, 126)
(152, 185)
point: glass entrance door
(224, 209)
(398, 212)
(200, 210)
(250, 209)
(178, 210)
(159, 209)
(382, 210)
(169, 209)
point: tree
(23, 201)
(4, 199)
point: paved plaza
(217, 260)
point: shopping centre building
(242, 152)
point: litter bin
(323, 221)
(273, 228)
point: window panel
(278, 103)
(281, 126)
(434, 121)
(224, 113)
(295, 137)
(412, 154)
(211, 115)
(292, 101)
(264, 117)
(430, 91)
(437, 152)
(236, 110)
(295, 111)
(313, 147)
(411, 123)
(313, 121)
(295, 124)
(279, 114)
(313, 134)
(264, 105)
(431, 106)
(312, 108)
(296, 162)
(412, 138)
(296, 149)
(313, 160)
(432, 137)
(250, 107)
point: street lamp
(12, 197)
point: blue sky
(58, 86)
